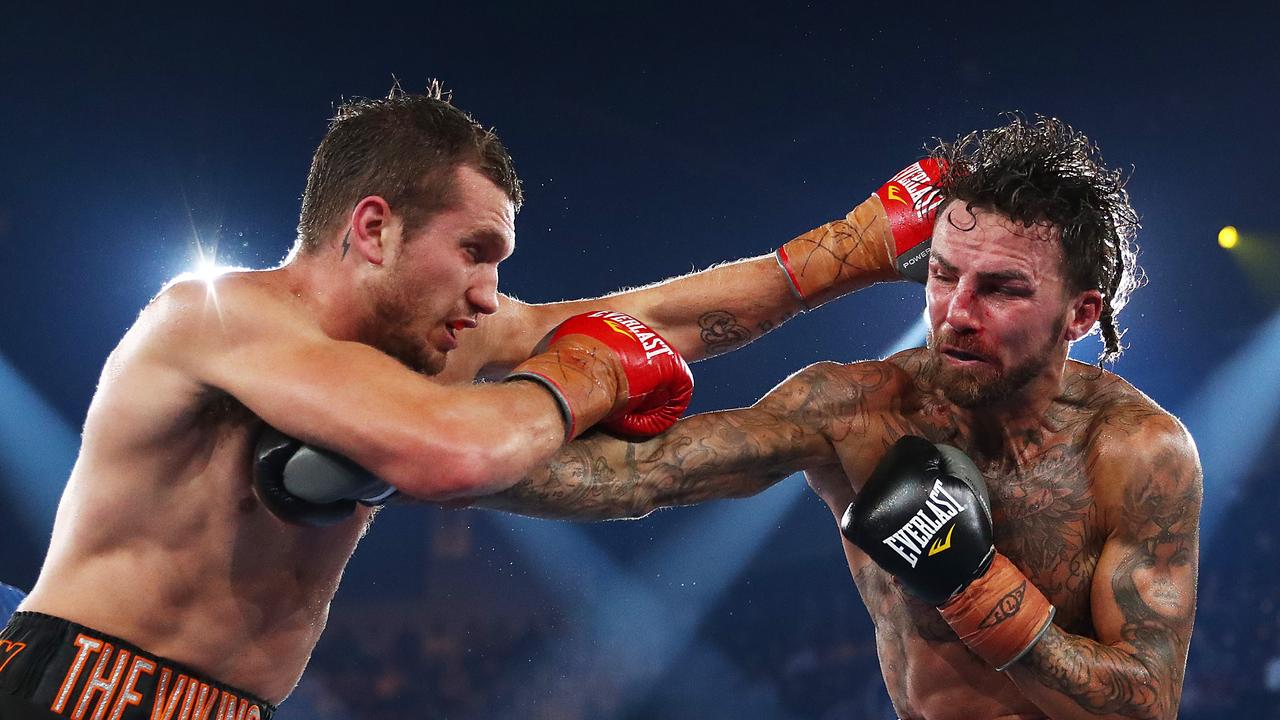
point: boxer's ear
(369, 232)
(1082, 314)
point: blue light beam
(37, 451)
(637, 626)
(1231, 418)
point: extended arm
(733, 453)
(702, 314)
(1144, 590)
(724, 307)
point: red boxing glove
(659, 382)
(610, 368)
(886, 237)
(910, 200)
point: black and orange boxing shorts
(52, 668)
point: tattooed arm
(1143, 590)
(733, 453)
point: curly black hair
(1043, 171)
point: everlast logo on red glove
(911, 199)
(646, 384)
(918, 184)
(652, 343)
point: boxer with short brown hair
(166, 568)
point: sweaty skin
(159, 538)
(1095, 490)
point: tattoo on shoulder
(1153, 586)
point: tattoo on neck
(346, 243)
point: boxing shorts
(52, 668)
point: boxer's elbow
(426, 472)
(450, 465)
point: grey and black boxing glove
(306, 485)
(924, 516)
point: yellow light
(1228, 237)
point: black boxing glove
(311, 486)
(925, 517)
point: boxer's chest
(1046, 520)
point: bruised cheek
(1021, 331)
(935, 306)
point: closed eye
(1008, 291)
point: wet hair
(1044, 171)
(403, 148)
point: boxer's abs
(189, 565)
(928, 673)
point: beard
(396, 312)
(986, 385)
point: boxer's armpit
(734, 453)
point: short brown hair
(402, 148)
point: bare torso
(160, 540)
(1051, 519)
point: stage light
(1228, 237)
(206, 267)
(37, 451)
(207, 270)
(1232, 417)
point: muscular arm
(432, 441)
(701, 314)
(1143, 592)
(733, 453)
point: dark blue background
(652, 139)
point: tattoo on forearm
(765, 326)
(576, 484)
(1100, 678)
(717, 455)
(602, 477)
(722, 332)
